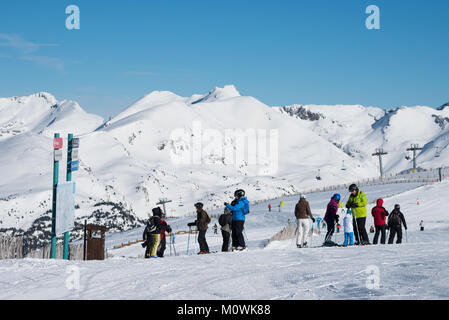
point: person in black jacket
(225, 221)
(395, 221)
(202, 221)
(152, 234)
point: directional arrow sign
(75, 142)
(75, 154)
(57, 143)
(75, 165)
(58, 154)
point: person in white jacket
(349, 229)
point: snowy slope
(416, 269)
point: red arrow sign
(57, 143)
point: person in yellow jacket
(357, 203)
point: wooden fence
(11, 247)
(76, 252)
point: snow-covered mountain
(186, 149)
(359, 131)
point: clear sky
(281, 52)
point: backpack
(395, 219)
(245, 208)
(151, 226)
(222, 220)
(207, 217)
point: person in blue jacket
(239, 208)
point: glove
(168, 229)
(226, 203)
(191, 224)
(354, 205)
(337, 217)
(144, 244)
(313, 219)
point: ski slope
(416, 269)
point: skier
(349, 229)
(164, 228)
(302, 214)
(379, 213)
(331, 218)
(239, 208)
(152, 234)
(421, 225)
(225, 221)
(269, 207)
(201, 222)
(357, 201)
(215, 229)
(395, 221)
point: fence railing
(76, 252)
(429, 179)
(11, 247)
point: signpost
(57, 144)
(63, 204)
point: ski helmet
(157, 212)
(336, 197)
(199, 205)
(353, 187)
(239, 193)
(303, 196)
(348, 211)
(396, 206)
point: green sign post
(53, 213)
(69, 178)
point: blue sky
(281, 52)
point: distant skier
(225, 221)
(421, 225)
(395, 222)
(331, 218)
(215, 229)
(239, 208)
(302, 214)
(152, 234)
(202, 221)
(349, 229)
(379, 213)
(269, 207)
(357, 202)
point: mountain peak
(217, 93)
(443, 106)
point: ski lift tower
(414, 148)
(380, 152)
(163, 201)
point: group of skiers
(233, 219)
(354, 220)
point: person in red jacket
(379, 213)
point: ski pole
(244, 233)
(173, 243)
(311, 237)
(170, 246)
(188, 241)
